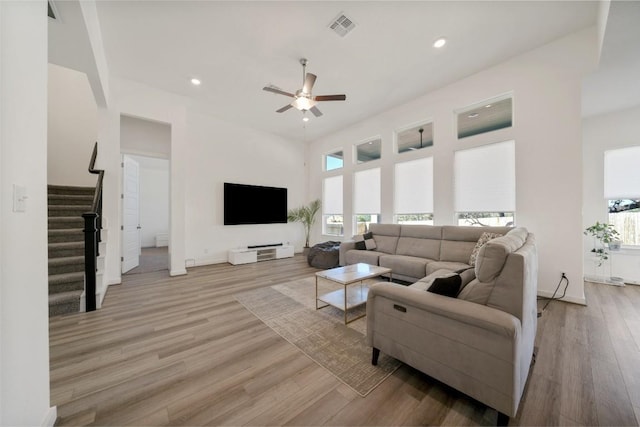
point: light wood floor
(182, 351)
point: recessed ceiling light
(439, 42)
(487, 106)
(195, 82)
(473, 115)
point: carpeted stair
(66, 246)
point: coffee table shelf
(350, 296)
(356, 296)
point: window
(424, 219)
(622, 190)
(366, 200)
(332, 219)
(485, 184)
(333, 161)
(486, 116)
(624, 215)
(415, 138)
(413, 194)
(368, 151)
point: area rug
(289, 309)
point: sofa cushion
(447, 286)
(424, 283)
(493, 254)
(365, 241)
(355, 256)
(458, 241)
(446, 265)
(484, 238)
(386, 237)
(405, 265)
(420, 240)
(466, 276)
(477, 291)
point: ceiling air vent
(342, 25)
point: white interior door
(130, 214)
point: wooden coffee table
(350, 296)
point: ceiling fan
(302, 99)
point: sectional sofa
(480, 341)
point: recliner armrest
(344, 247)
(470, 313)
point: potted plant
(307, 216)
(605, 234)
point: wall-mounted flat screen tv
(254, 204)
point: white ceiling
(236, 48)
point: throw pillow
(484, 238)
(447, 286)
(365, 242)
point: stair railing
(92, 235)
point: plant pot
(615, 245)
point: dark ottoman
(324, 255)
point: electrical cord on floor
(553, 297)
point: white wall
(205, 152)
(600, 133)
(144, 137)
(221, 152)
(24, 334)
(154, 198)
(546, 87)
(72, 127)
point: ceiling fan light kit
(303, 99)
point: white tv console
(247, 256)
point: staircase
(66, 246)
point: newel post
(90, 259)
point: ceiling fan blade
(309, 81)
(315, 111)
(285, 108)
(330, 97)
(278, 91)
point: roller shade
(366, 190)
(622, 173)
(485, 178)
(414, 186)
(332, 195)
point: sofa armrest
(344, 247)
(490, 319)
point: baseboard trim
(178, 272)
(573, 300)
(50, 417)
(117, 281)
(208, 261)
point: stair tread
(70, 187)
(62, 297)
(66, 277)
(61, 207)
(66, 245)
(66, 260)
(71, 196)
(65, 231)
(65, 218)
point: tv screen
(254, 204)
